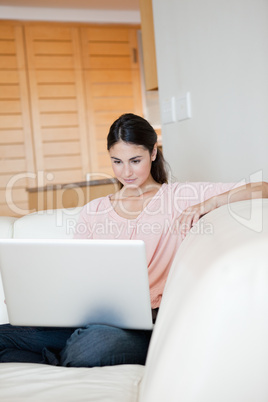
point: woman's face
(131, 163)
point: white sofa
(210, 342)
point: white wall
(217, 50)
(68, 14)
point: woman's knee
(102, 345)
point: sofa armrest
(3, 308)
(6, 232)
(210, 339)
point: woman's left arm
(246, 192)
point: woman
(147, 208)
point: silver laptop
(72, 283)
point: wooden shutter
(16, 156)
(112, 80)
(61, 87)
(57, 102)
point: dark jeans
(94, 345)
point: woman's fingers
(187, 219)
(192, 214)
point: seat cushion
(23, 382)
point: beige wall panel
(57, 105)
(56, 90)
(106, 118)
(10, 121)
(21, 208)
(56, 62)
(69, 197)
(12, 165)
(63, 176)
(55, 77)
(10, 106)
(102, 146)
(102, 132)
(12, 151)
(107, 171)
(133, 49)
(50, 32)
(113, 62)
(122, 103)
(16, 158)
(6, 31)
(86, 151)
(58, 119)
(105, 159)
(17, 195)
(18, 180)
(7, 47)
(60, 134)
(11, 136)
(8, 62)
(9, 91)
(57, 97)
(137, 97)
(62, 162)
(101, 49)
(53, 47)
(107, 34)
(110, 76)
(112, 90)
(61, 148)
(9, 77)
(109, 61)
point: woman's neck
(133, 191)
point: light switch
(183, 107)
(168, 110)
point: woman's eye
(117, 162)
(136, 161)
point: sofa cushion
(6, 227)
(49, 224)
(25, 382)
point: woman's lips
(129, 181)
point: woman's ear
(154, 153)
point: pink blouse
(156, 225)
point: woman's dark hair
(136, 130)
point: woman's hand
(192, 214)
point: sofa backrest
(50, 224)
(6, 227)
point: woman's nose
(127, 170)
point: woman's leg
(32, 344)
(103, 345)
